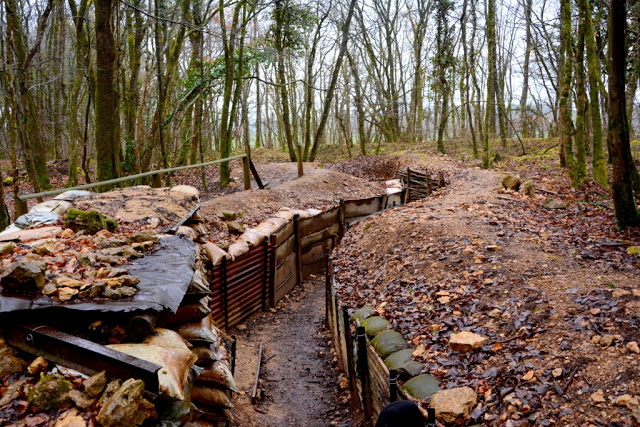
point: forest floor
(553, 290)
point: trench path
(297, 373)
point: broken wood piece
(254, 392)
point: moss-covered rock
(90, 221)
(51, 392)
(8, 181)
(511, 182)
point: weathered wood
(319, 236)
(272, 271)
(284, 250)
(360, 207)
(318, 222)
(285, 287)
(298, 248)
(363, 367)
(350, 369)
(254, 390)
(246, 173)
(80, 354)
(284, 233)
(285, 269)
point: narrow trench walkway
(298, 373)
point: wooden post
(363, 368)
(156, 181)
(225, 293)
(407, 191)
(265, 273)
(233, 354)
(393, 385)
(341, 221)
(426, 178)
(351, 372)
(246, 173)
(272, 271)
(441, 179)
(299, 160)
(21, 207)
(298, 245)
(328, 290)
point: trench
(298, 373)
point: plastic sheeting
(164, 276)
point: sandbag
(409, 369)
(252, 237)
(201, 332)
(175, 365)
(214, 253)
(218, 373)
(286, 214)
(58, 206)
(238, 248)
(267, 228)
(186, 313)
(216, 415)
(167, 338)
(205, 355)
(361, 313)
(199, 284)
(34, 219)
(187, 231)
(314, 212)
(208, 395)
(278, 222)
(388, 342)
(421, 386)
(198, 227)
(398, 358)
(71, 195)
(374, 325)
(184, 190)
(301, 213)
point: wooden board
(360, 207)
(316, 252)
(316, 223)
(284, 233)
(286, 269)
(285, 249)
(319, 236)
(285, 287)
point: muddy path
(298, 373)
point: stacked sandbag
(211, 392)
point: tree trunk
(581, 108)
(623, 202)
(106, 108)
(599, 164)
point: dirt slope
(475, 258)
(318, 189)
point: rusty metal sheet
(164, 276)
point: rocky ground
(554, 303)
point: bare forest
(110, 88)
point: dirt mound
(318, 189)
(373, 168)
(559, 317)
